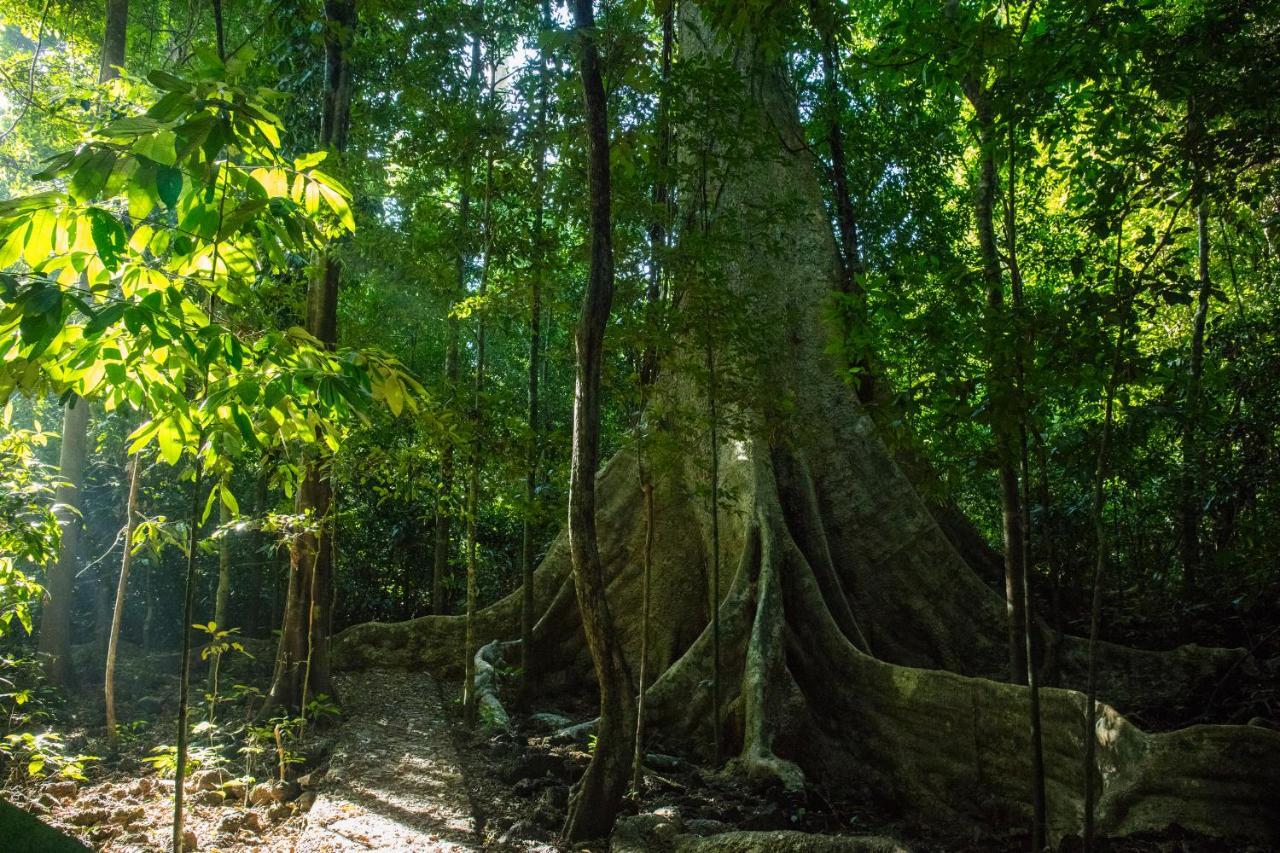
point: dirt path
(395, 780)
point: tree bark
(117, 616)
(223, 593)
(598, 794)
(55, 623)
(302, 660)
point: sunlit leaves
(154, 218)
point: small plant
(322, 707)
(164, 758)
(132, 732)
(39, 754)
(220, 641)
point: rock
(210, 798)
(280, 812)
(104, 833)
(230, 824)
(306, 801)
(644, 832)
(189, 841)
(208, 780)
(548, 723)
(235, 789)
(265, 794)
(62, 789)
(47, 801)
(312, 779)
(149, 706)
(125, 815)
(89, 816)
(252, 821)
(143, 786)
(523, 830)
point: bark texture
(831, 553)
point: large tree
(859, 646)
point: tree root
(490, 713)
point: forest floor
(400, 772)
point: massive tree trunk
(302, 661)
(828, 536)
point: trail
(396, 778)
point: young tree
(598, 794)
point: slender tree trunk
(598, 794)
(263, 556)
(444, 509)
(302, 662)
(473, 485)
(1191, 455)
(109, 678)
(54, 643)
(1005, 414)
(1024, 352)
(184, 687)
(714, 416)
(223, 594)
(528, 678)
(649, 370)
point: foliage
(28, 528)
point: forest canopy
(860, 417)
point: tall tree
(598, 794)
(302, 661)
(55, 625)
(444, 507)
(528, 677)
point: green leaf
(160, 147)
(108, 236)
(169, 185)
(92, 175)
(169, 82)
(170, 440)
